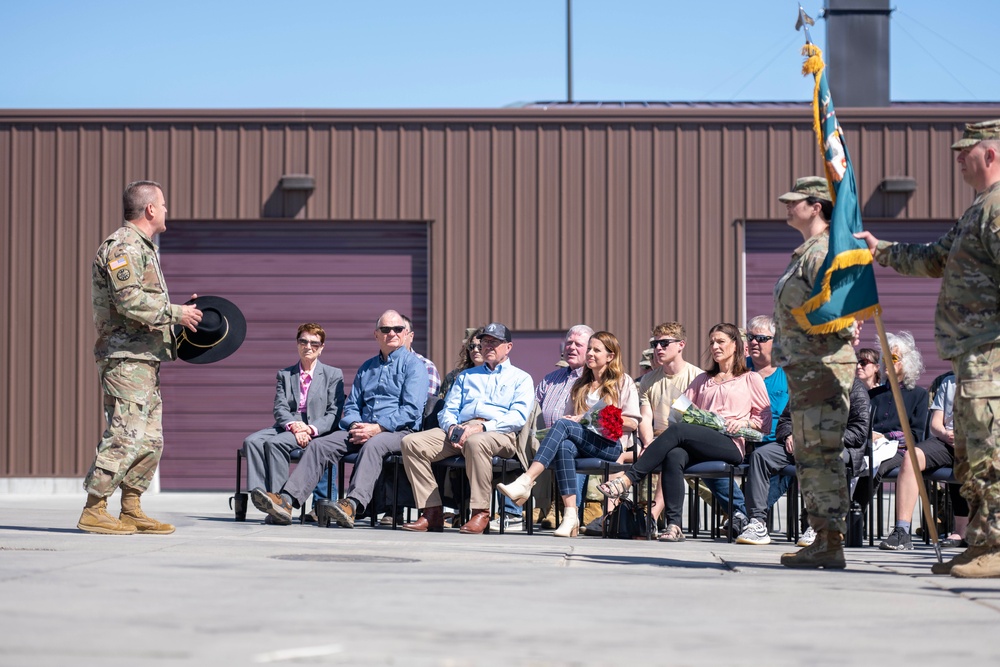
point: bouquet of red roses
(605, 422)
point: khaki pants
(422, 449)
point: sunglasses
(388, 330)
(474, 346)
(759, 338)
(865, 362)
(895, 358)
(665, 342)
(314, 344)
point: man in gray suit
(308, 400)
(386, 402)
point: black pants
(675, 449)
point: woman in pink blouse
(728, 389)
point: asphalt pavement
(218, 592)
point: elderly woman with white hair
(908, 363)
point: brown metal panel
(203, 181)
(179, 196)
(21, 308)
(574, 154)
(614, 234)
(43, 289)
(251, 197)
(503, 229)
(7, 298)
(548, 252)
(385, 195)
(272, 160)
(526, 235)
(585, 272)
(318, 201)
(476, 268)
(365, 164)
(342, 172)
(411, 174)
(225, 194)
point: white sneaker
(807, 537)
(510, 522)
(754, 533)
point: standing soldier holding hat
(967, 331)
(133, 316)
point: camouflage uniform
(967, 332)
(132, 313)
(820, 370)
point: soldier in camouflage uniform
(820, 370)
(133, 316)
(967, 332)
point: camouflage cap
(647, 356)
(809, 186)
(976, 132)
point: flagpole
(911, 449)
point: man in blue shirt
(483, 412)
(386, 403)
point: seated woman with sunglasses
(603, 382)
(868, 371)
(728, 389)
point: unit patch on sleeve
(121, 273)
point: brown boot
(477, 524)
(984, 566)
(132, 515)
(95, 519)
(430, 521)
(963, 558)
(826, 551)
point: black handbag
(627, 521)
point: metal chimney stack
(857, 52)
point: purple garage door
(342, 275)
(907, 302)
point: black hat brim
(234, 337)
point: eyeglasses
(759, 338)
(388, 330)
(491, 342)
(665, 342)
(865, 362)
(895, 358)
(314, 344)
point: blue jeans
(319, 493)
(720, 489)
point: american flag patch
(116, 264)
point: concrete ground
(220, 593)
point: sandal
(615, 488)
(673, 533)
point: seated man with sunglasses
(307, 404)
(386, 403)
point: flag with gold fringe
(845, 289)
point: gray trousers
(331, 448)
(268, 452)
(765, 462)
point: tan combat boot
(132, 515)
(984, 566)
(826, 551)
(967, 556)
(95, 519)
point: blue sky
(446, 53)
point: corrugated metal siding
(539, 217)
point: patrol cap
(808, 186)
(498, 331)
(647, 356)
(976, 132)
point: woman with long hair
(603, 382)
(470, 356)
(730, 390)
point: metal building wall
(540, 217)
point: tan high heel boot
(570, 525)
